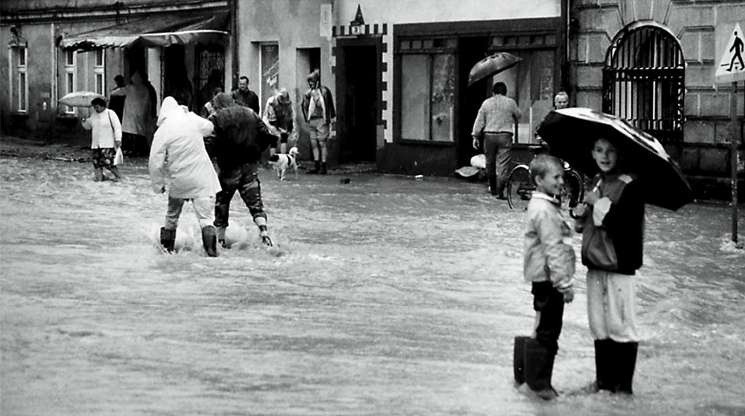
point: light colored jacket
(105, 129)
(178, 158)
(549, 255)
(497, 114)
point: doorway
(357, 92)
(470, 51)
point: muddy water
(386, 296)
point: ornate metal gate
(644, 80)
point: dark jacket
(328, 101)
(240, 137)
(247, 99)
(617, 245)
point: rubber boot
(493, 184)
(518, 359)
(167, 239)
(323, 170)
(209, 240)
(220, 231)
(316, 169)
(97, 175)
(539, 365)
(604, 358)
(625, 364)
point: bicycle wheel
(574, 189)
(520, 188)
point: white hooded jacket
(178, 158)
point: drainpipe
(564, 49)
(234, 44)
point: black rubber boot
(167, 239)
(315, 169)
(518, 359)
(625, 364)
(493, 184)
(209, 240)
(539, 365)
(323, 170)
(604, 358)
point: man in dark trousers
(240, 137)
(245, 97)
(495, 120)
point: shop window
(70, 76)
(99, 71)
(427, 91)
(20, 92)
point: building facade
(399, 69)
(653, 62)
(54, 49)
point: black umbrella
(571, 132)
(492, 65)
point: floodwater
(386, 296)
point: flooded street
(386, 296)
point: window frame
(99, 72)
(428, 46)
(71, 76)
(20, 58)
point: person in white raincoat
(179, 163)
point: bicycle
(520, 187)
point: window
(21, 90)
(644, 80)
(269, 64)
(70, 72)
(427, 89)
(98, 70)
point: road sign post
(731, 68)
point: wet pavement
(386, 296)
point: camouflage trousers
(103, 157)
(245, 180)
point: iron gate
(644, 81)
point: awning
(153, 31)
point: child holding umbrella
(612, 224)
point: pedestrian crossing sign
(731, 67)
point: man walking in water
(240, 138)
(496, 119)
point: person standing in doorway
(319, 113)
(245, 97)
(106, 137)
(495, 119)
(116, 102)
(240, 138)
(136, 124)
(280, 117)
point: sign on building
(731, 64)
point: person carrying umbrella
(106, 137)
(495, 120)
(631, 169)
(612, 224)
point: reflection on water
(386, 296)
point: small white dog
(282, 162)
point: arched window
(644, 80)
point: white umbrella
(79, 98)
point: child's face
(605, 155)
(552, 181)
